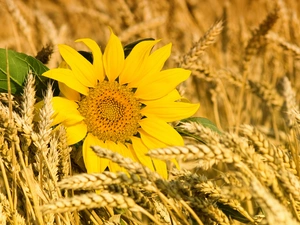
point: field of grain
(244, 57)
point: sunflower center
(111, 112)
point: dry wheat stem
(191, 211)
(275, 212)
(251, 49)
(6, 214)
(283, 43)
(264, 174)
(22, 23)
(139, 27)
(14, 160)
(171, 206)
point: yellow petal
(136, 62)
(140, 150)
(161, 84)
(37, 107)
(160, 167)
(170, 97)
(153, 143)
(63, 103)
(67, 120)
(67, 77)
(76, 132)
(113, 57)
(72, 119)
(113, 167)
(155, 165)
(68, 93)
(155, 63)
(157, 59)
(92, 162)
(170, 111)
(65, 109)
(150, 141)
(162, 131)
(124, 151)
(81, 67)
(97, 57)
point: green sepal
(128, 48)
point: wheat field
(244, 57)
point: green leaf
(19, 66)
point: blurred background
(236, 75)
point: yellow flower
(120, 104)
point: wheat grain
(100, 181)
(126, 13)
(267, 94)
(204, 155)
(213, 192)
(126, 163)
(255, 42)
(199, 47)
(289, 103)
(276, 157)
(139, 196)
(25, 123)
(209, 211)
(87, 201)
(45, 121)
(291, 184)
(64, 153)
(162, 212)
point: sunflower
(122, 104)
